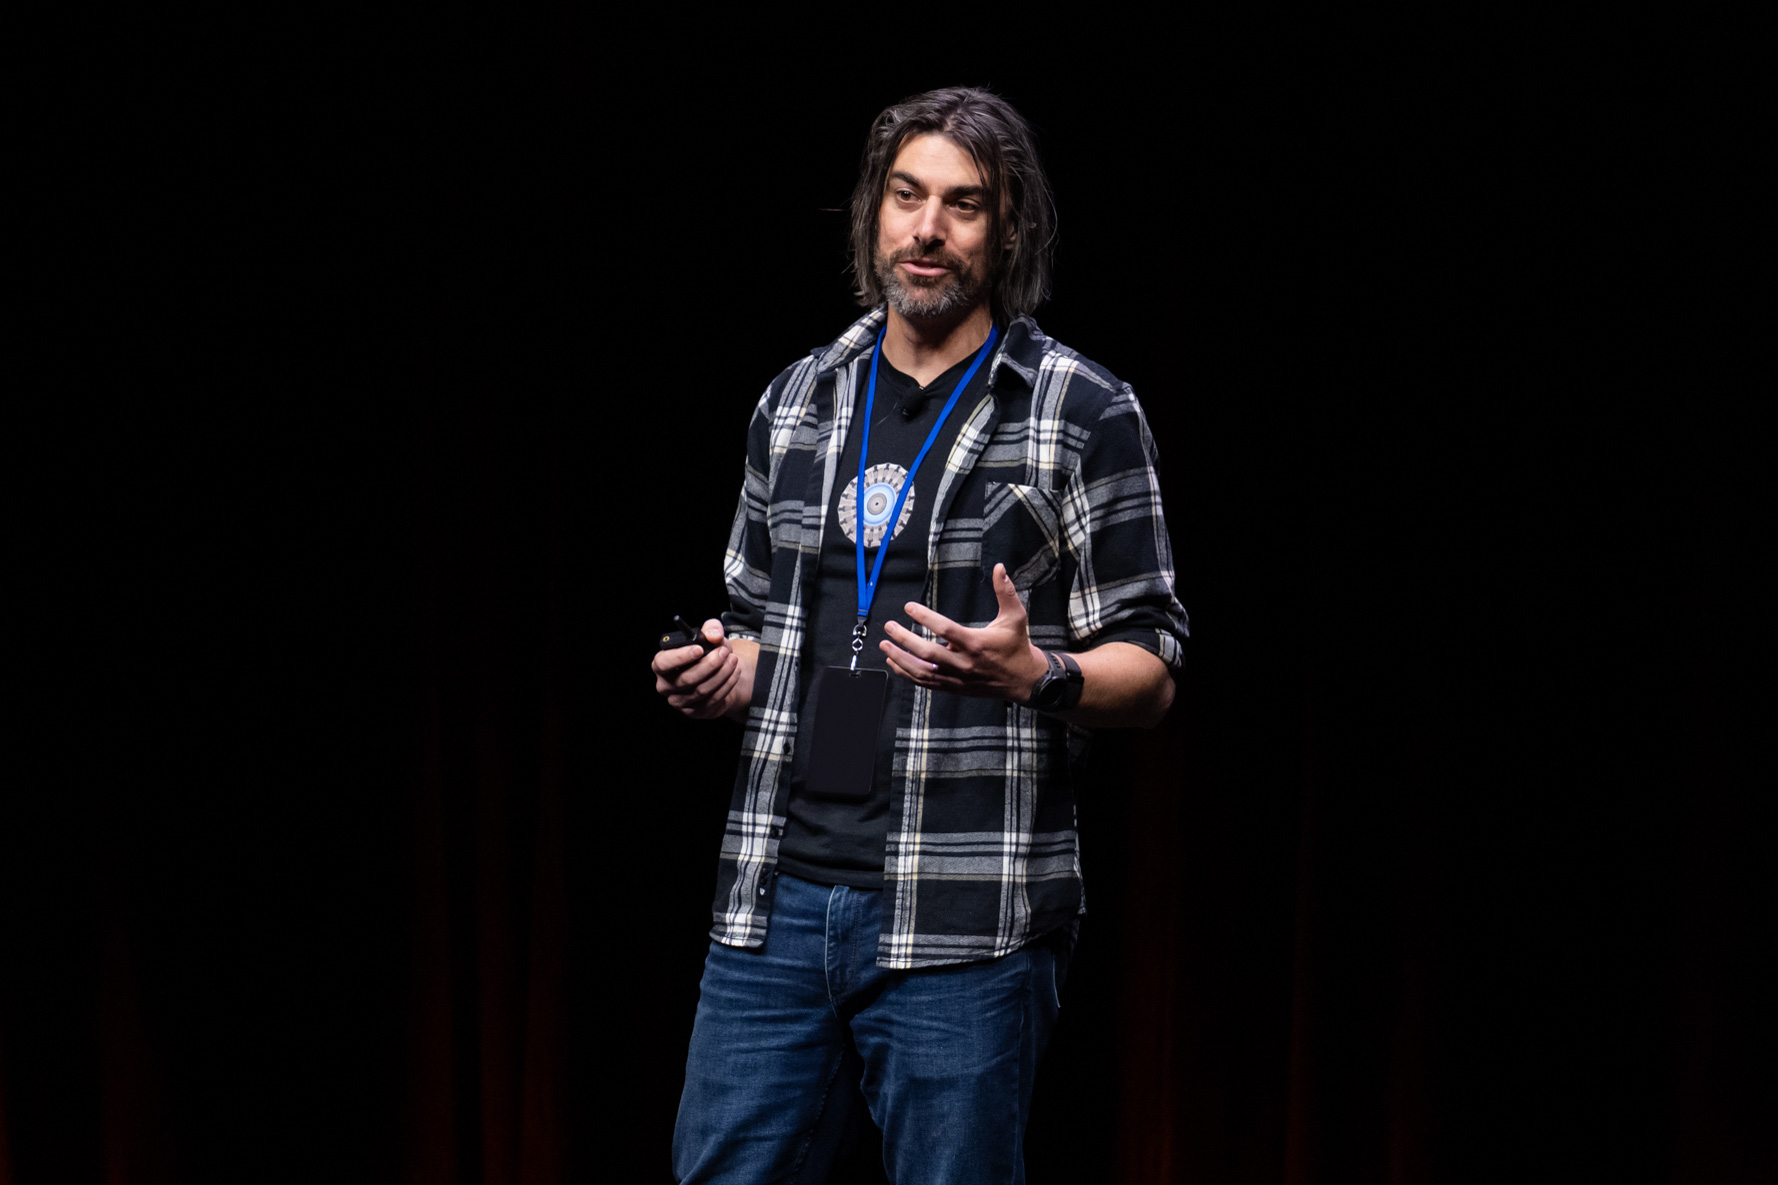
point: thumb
(712, 630)
(1006, 594)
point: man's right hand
(704, 686)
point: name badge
(848, 715)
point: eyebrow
(960, 191)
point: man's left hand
(996, 661)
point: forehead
(937, 162)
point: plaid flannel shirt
(1052, 475)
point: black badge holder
(848, 712)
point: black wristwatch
(1060, 687)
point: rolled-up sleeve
(1124, 587)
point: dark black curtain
(407, 408)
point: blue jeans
(787, 1035)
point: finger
(695, 679)
(1006, 594)
(721, 694)
(724, 679)
(941, 626)
(708, 700)
(904, 664)
(689, 691)
(667, 662)
(930, 653)
(718, 701)
(713, 631)
(717, 667)
(914, 666)
(915, 671)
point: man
(949, 559)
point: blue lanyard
(867, 589)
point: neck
(923, 349)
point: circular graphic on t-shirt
(882, 485)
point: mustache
(941, 257)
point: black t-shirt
(841, 842)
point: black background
(399, 379)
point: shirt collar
(1020, 349)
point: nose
(930, 227)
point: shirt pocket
(1022, 528)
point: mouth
(927, 267)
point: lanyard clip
(858, 632)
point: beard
(930, 297)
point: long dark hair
(1000, 143)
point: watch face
(1060, 686)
